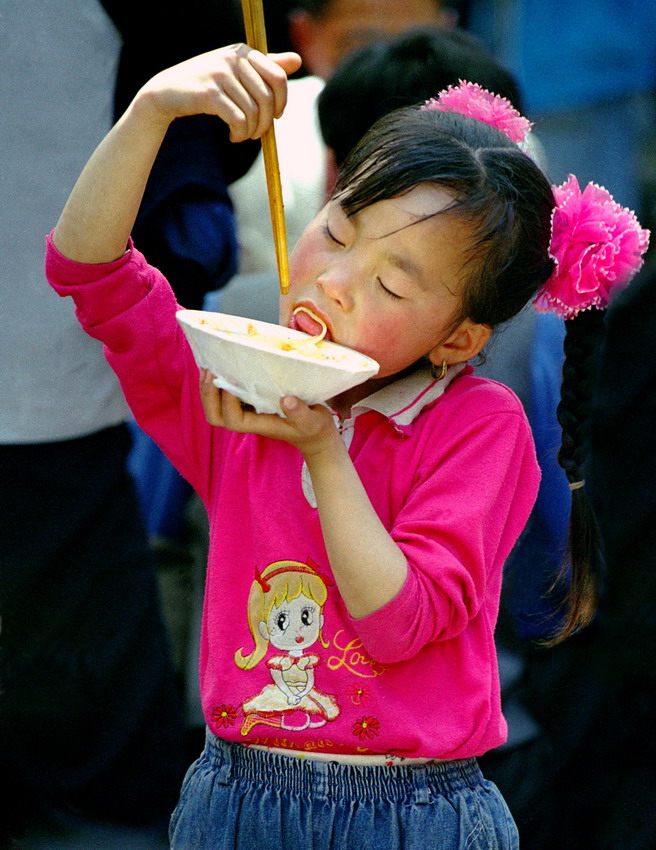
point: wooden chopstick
(253, 13)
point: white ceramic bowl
(243, 355)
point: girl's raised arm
(236, 83)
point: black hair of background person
(621, 474)
(621, 482)
(352, 102)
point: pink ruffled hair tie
(476, 102)
(596, 244)
(597, 247)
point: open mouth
(305, 319)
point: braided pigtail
(597, 246)
(583, 561)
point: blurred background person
(186, 223)
(91, 723)
(620, 475)
(93, 729)
(587, 70)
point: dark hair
(507, 202)
(500, 192)
(380, 77)
(582, 341)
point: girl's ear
(463, 344)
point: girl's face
(294, 625)
(386, 281)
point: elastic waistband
(369, 760)
(319, 778)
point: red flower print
(366, 728)
(358, 694)
(224, 715)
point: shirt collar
(404, 399)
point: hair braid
(581, 346)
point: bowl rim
(190, 318)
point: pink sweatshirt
(450, 469)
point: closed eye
(388, 291)
(329, 235)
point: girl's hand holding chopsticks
(240, 85)
(247, 89)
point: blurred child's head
(402, 71)
(324, 31)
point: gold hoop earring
(442, 373)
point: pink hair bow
(476, 102)
(597, 246)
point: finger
(266, 82)
(211, 398)
(238, 417)
(237, 106)
(246, 79)
(232, 411)
(238, 92)
(288, 60)
(273, 69)
(307, 422)
(297, 412)
(263, 97)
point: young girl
(396, 504)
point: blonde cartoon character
(285, 609)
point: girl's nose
(338, 289)
(337, 284)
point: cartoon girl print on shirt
(285, 610)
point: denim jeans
(236, 798)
